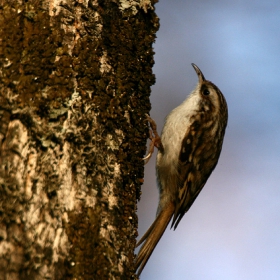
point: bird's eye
(206, 92)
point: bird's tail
(152, 237)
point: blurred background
(232, 231)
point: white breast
(176, 125)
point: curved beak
(199, 73)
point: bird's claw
(154, 137)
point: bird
(188, 151)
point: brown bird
(190, 147)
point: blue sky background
(232, 231)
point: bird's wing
(188, 188)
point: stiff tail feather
(152, 237)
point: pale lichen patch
(54, 7)
(135, 5)
(105, 67)
(65, 193)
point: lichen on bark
(75, 80)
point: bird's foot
(154, 137)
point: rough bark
(75, 80)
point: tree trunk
(75, 80)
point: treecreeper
(188, 151)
